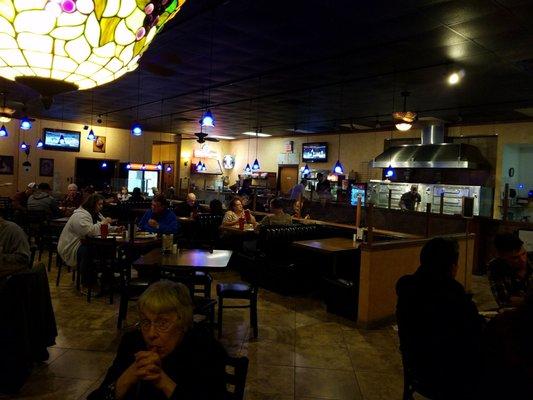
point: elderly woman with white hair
(73, 198)
(167, 358)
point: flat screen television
(314, 152)
(357, 190)
(61, 140)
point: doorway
(95, 171)
(288, 177)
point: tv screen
(62, 140)
(315, 152)
(357, 190)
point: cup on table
(104, 230)
(241, 223)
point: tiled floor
(302, 351)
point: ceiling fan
(201, 137)
(7, 112)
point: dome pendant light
(23, 146)
(104, 164)
(39, 144)
(91, 136)
(136, 129)
(255, 166)
(3, 131)
(25, 124)
(338, 168)
(403, 120)
(389, 172)
(207, 119)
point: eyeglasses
(160, 325)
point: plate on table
(145, 235)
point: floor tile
(270, 380)
(269, 353)
(326, 384)
(80, 364)
(325, 356)
(376, 386)
(53, 388)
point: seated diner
(167, 357)
(236, 213)
(159, 219)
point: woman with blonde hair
(167, 358)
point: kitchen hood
(432, 153)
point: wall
(167, 152)
(187, 156)
(120, 145)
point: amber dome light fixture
(55, 46)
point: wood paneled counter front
(383, 263)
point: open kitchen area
(231, 199)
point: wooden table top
(328, 245)
(187, 258)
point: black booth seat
(28, 325)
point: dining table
(197, 259)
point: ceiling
(317, 66)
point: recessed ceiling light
(222, 137)
(455, 77)
(258, 134)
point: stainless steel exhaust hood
(432, 153)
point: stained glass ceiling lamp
(55, 46)
(25, 124)
(3, 131)
(207, 119)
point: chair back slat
(235, 377)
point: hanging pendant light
(143, 167)
(169, 168)
(39, 144)
(4, 132)
(404, 119)
(25, 123)
(204, 167)
(159, 166)
(23, 146)
(305, 171)
(207, 119)
(389, 172)
(61, 140)
(91, 136)
(247, 168)
(199, 166)
(104, 164)
(136, 129)
(128, 165)
(255, 166)
(337, 167)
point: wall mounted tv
(61, 140)
(315, 152)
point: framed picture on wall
(46, 166)
(99, 144)
(6, 165)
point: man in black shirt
(188, 207)
(411, 199)
(510, 274)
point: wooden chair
(237, 290)
(236, 371)
(199, 284)
(104, 260)
(130, 290)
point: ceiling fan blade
(212, 139)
